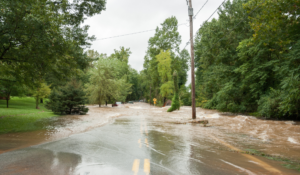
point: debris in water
(199, 121)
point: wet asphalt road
(130, 145)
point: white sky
(130, 16)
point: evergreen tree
(67, 99)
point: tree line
(247, 60)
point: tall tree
(105, 82)
(165, 38)
(164, 70)
(38, 37)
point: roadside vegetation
(288, 163)
(21, 115)
(248, 60)
(162, 58)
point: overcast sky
(130, 16)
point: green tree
(105, 83)
(122, 54)
(175, 100)
(219, 84)
(164, 70)
(9, 86)
(180, 64)
(185, 95)
(133, 79)
(39, 37)
(67, 98)
(165, 38)
(247, 60)
(42, 91)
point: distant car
(114, 105)
(131, 102)
(118, 103)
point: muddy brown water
(278, 138)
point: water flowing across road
(139, 139)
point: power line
(205, 22)
(133, 33)
(194, 17)
(232, 28)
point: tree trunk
(37, 99)
(7, 97)
(41, 100)
(37, 103)
(106, 103)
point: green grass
(21, 115)
(290, 164)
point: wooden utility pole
(192, 59)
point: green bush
(69, 99)
(175, 103)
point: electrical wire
(205, 21)
(194, 17)
(133, 33)
(229, 30)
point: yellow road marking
(260, 163)
(135, 166)
(147, 166)
(146, 141)
(139, 141)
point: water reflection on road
(147, 141)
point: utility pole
(192, 59)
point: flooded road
(143, 140)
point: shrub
(69, 99)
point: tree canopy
(39, 37)
(106, 83)
(248, 59)
(162, 58)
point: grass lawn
(22, 115)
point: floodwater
(58, 128)
(139, 139)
